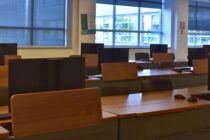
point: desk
(157, 115)
(179, 80)
(107, 130)
(150, 65)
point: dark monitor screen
(38, 75)
(7, 49)
(91, 48)
(111, 55)
(207, 50)
(195, 53)
(158, 48)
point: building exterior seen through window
(198, 23)
(33, 22)
(127, 26)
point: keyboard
(203, 96)
(5, 116)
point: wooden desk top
(152, 103)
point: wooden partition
(40, 113)
(10, 57)
(163, 57)
(119, 71)
(200, 66)
(91, 60)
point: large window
(199, 23)
(126, 23)
(40, 23)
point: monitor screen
(7, 49)
(195, 53)
(207, 50)
(38, 75)
(91, 48)
(112, 55)
(158, 48)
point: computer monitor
(158, 48)
(112, 55)
(195, 53)
(91, 48)
(38, 75)
(7, 49)
(207, 50)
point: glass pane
(126, 39)
(104, 37)
(49, 13)
(149, 38)
(150, 19)
(126, 18)
(49, 38)
(15, 13)
(22, 37)
(104, 20)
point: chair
(51, 112)
(142, 56)
(4, 98)
(91, 60)
(163, 57)
(200, 66)
(156, 84)
(119, 71)
(10, 57)
(126, 75)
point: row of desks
(146, 73)
(146, 104)
(134, 116)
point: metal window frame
(131, 31)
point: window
(199, 23)
(126, 23)
(33, 22)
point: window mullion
(139, 26)
(114, 24)
(32, 22)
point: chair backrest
(156, 84)
(163, 57)
(10, 57)
(200, 66)
(45, 112)
(119, 71)
(91, 60)
(142, 56)
(4, 75)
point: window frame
(195, 32)
(139, 45)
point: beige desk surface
(150, 61)
(152, 103)
(160, 72)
